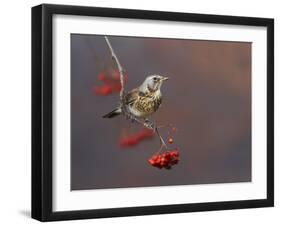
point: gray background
(208, 98)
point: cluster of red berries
(165, 160)
(134, 139)
(111, 83)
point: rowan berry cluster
(111, 83)
(136, 138)
(165, 160)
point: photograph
(149, 111)
(142, 112)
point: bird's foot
(150, 124)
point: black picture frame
(42, 111)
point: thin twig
(120, 69)
(161, 139)
(122, 96)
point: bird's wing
(132, 96)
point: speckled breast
(147, 104)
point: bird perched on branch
(143, 101)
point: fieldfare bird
(143, 101)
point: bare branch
(162, 142)
(120, 69)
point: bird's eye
(154, 79)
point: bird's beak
(165, 78)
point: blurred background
(208, 100)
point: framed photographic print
(146, 112)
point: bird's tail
(113, 113)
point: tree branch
(120, 69)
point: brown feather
(132, 96)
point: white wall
(15, 111)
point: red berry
(116, 87)
(165, 160)
(158, 159)
(174, 161)
(154, 157)
(103, 90)
(101, 76)
(175, 153)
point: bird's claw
(150, 125)
(146, 123)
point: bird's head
(153, 83)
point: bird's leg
(162, 142)
(150, 124)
